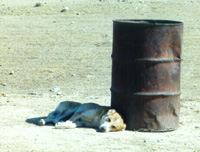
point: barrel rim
(148, 22)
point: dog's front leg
(73, 122)
(60, 117)
(65, 125)
(68, 125)
(48, 119)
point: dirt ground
(42, 47)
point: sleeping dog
(85, 115)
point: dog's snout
(102, 129)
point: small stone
(11, 73)
(55, 89)
(59, 93)
(38, 4)
(32, 93)
(77, 13)
(3, 84)
(197, 127)
(64, 9)
(91, 97)
(51, 71)
(3, 95)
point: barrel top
(149, 22)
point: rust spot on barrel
(146, 73)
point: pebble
(3, 84)
(72, 74)
(38, 4)
(3, 95)
(59, 93)
(51, 71)
(197, 126)
(55, 89)
(64, 9)
(32, 93)
(11, 73)
(91, 97)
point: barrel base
(149, 130)
(148, 113)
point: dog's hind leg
(49, 118)
(43, 122)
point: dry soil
(42, 47)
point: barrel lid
(149, 22)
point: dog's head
(112, 121)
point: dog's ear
(124, 127)
(111, 111)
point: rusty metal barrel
(146, 61)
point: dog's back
(65, 105)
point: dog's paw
(41, 122)
(65, 125)
(55, 121)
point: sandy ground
(41, 48)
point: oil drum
(146, 59)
